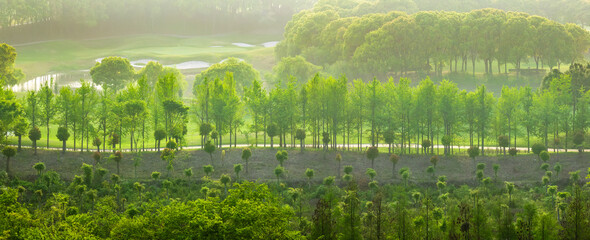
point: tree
(117, 157)
(278, 172)
(112, 72)
(20, 128)
(504, 142)
(296, 67)
(63, 135)
(243, 72)
(496, 167)
(97, 143)
(204, 130)
(8, 73)
(371, 173)
(510, 190)
(39, 167)
(159, 135)
(208, 169)
(393, 159)
(188, 173)
(210, 148)
(339, 160)
(538, 148)
(237, 170)
(246, 154)
(48, 107)
(281, 156)
(300, 135)
(8, 152)
(473, 152)
(134, 110)
(35, 135)
(272, 131)
(425, 145)
(434, 161)
(579, 140)
(372, 153)
(557, 168)
(225, 179)
(544, 155)
(309, 174)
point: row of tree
(98, 206)
(561, 10)
(383, 43)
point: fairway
(38, 59)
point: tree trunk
(63, 147)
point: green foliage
(9, 151)
(171, 145)
(112, 72)
(243, 72)
(434, 161)
(208, 169)
(512, 152)
(282, 156)
(348, 169)
(538, 148)
(473, 152)
(544, 155)
(63, 134)
(371, 173)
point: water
(270, 44)
(243, 45)
(141, 62)
(57, 80)
(190, 65)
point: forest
(360, 130)
(429, 43)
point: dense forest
(395, 43)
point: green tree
(159, 135)
(39, 167)
(63, 135)
(210, 148)
(237, 170)
(48, 107)
(208, 169)
(503, 142)
(34, 136)
(309, 174)
(372, 153)
(117, 157)
(8, 152)
(281, 156)
(112, 72)
(20, 127)
(246, 154)
(278, 173)
(394, 159)
(8, 73)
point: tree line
(49, 19)
(429, 43)
(327, 112)
(561, 11)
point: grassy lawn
(69, 55)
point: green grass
(70, 55)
